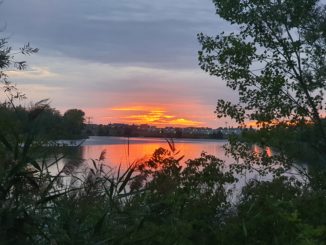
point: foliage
(276, 61)
(74, 121)
(49, 123)
(161, 201)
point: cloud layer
(104, 54)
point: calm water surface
(119, 151)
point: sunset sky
(120, 61)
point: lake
(123, 151)
(118, 150)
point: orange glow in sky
(153, 116)
(251, 124)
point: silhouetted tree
(276, 61)
(74, 121)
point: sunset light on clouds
(153, 116)
(119, 61)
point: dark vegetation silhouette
(125, 130)
(276, 63)
(50, 124)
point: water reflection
(123, 151)
(258, 150)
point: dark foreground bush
(155, 201)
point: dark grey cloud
(142, 32)
(101, 54)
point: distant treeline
(47, 121)
(125, 130)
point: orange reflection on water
(258, 150)
(138, 148)
(269, 151)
